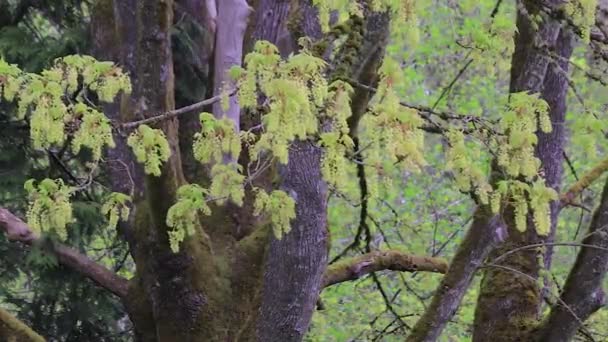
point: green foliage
(460, 158)
(582, 14)
(524, 116)
(540, 198)
(403, 11)
(344, 9)
(392, 130)
(525, 197)
(183, 215)
(44, 96)
(95, 130)
(334, 165)
(294, 89)
(116, 207)
(150, 147)
(216, 139)
(281, 208)
(53, 301)
(227, 183)
(49, 209)
(104, 78)
(11, 82)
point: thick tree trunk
(232, 281)
(296, 263)
(510, 299)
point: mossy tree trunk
(232, 280)
(222, 285)
(583, 294)
(510, 299)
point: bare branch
(354, 268)
(176, 112)
(17, 230)
(426, 112)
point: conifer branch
(17, 230)
(356, 267)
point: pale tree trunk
(231, 23)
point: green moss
(13, 330)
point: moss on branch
(354, 268)
(583, 183)
(12, 329)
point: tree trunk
(215, 288)
(232, 280)
(510, 299)
(583, 294)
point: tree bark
(167, 293)
(296, 263)
(582, 294)
(485, 233)
(505, 292)
(231, 23)
(356, 267)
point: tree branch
(12, 329)
(584, 182)
(17, 230)
(425, 112)
(175, 112)
(356, 267)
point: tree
(226, 216)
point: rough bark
(168, 286)
(582, 294)
(284, 317)
(486, 231)
(504, 292)
(295, 264)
